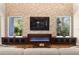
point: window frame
(70, 27)
(8, 25)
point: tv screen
(39, 23)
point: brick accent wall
(44, 9)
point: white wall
(76, 22)
(2, 20)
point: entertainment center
(39, 40)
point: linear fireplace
(40, 39)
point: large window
(63, 26)
(15, 26)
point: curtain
(11, 26)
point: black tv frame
(43, 23)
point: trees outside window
(15, 26)
(63, 26)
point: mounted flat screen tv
(39, 23)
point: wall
(76, 22)
(49, 10)
(2, 20)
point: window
(63, 26)
(15, 26)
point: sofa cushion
(41, 51)
(69, 51)
(11, 51)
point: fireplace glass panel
(38, 39)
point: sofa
(39, 51)
(51, 51)
(11, 51)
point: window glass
(15, 26)
(63, 26)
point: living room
(40, 25)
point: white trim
(70, 25)
(8, 25)
(62, 36)
(16, 36)
(59, 36)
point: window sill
(62, 36)
(15, 36)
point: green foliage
(64, 32)
(17, 31)
(63, 26)
(18, 27)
